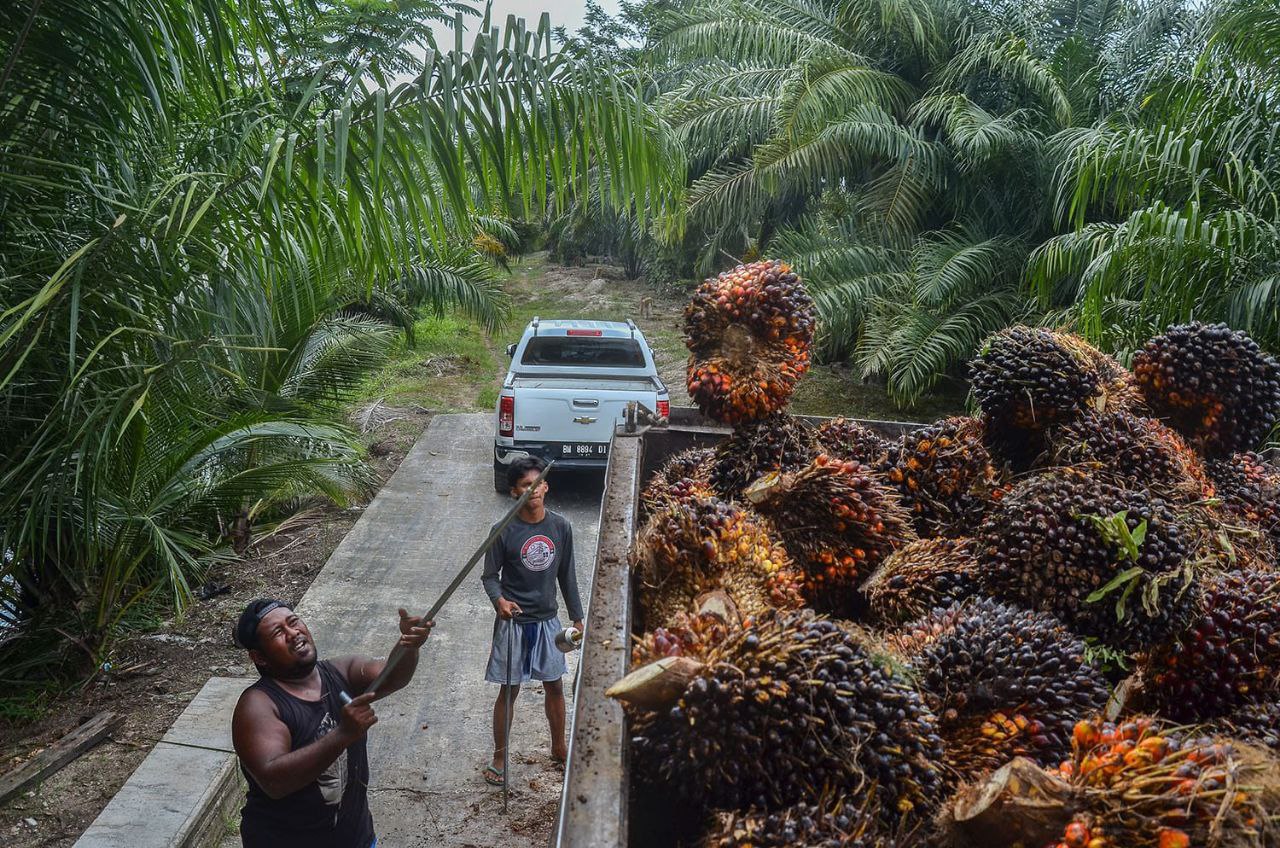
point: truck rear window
(587, 351)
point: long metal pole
(506, 737)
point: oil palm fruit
(1003, 681)
(701, 544)
(1228, 656)
(779, 442)
(838, 824)
(945, 476)
(784, 711)
(1141, 452)
(837, 521)
(1118, 386)
(1212, 384)
(1109, 562)
(922, 576)
(685, 474)
(1249, 488)
(846, 439)
(748, 331)
(1025, 377)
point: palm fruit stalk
(687, 473)
(1003, 682)
(837, 522)
(702, 544)
(1135, 785)
(1228, 657)
(1140, 452)
(1025, 377)
(1249, 488)
(1118, 388)
(828, 824)
(945, 476)
(846, 439)
(1110, 562)
(922, 576)
(785, 711)
(779, 442)
(748, 331)
(1212, 384)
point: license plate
(584, 451)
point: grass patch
(834, 390)
(447, 370)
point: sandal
(494, 776)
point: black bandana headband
(245, 633)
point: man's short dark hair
(245, 634)
(522, 466)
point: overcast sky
(565, 13)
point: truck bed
(597, 798)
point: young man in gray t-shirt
(521, 571)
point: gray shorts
(534, 653)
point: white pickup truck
(568, 386)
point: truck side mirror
(511, 350)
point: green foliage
(216, 217)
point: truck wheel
(500, 479)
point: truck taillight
(506, 416)
(664, 408)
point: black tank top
(331, 812)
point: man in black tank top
(302, 751)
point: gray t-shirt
(525, 563)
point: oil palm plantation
(214, 215)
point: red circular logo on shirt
(537, 553)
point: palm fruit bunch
(779, 442)
(845, 439)
(1135, 785)
(785, 710)
(686, 635)
(1140, 452)
(1109, 562)
(1003, 681)
(1257, 723)
(945, 476)
(1249, 488)
(1227, 657)
(1118, 388)
(748, 331)
(702, 544)
(836, 521)
(921, 576)
(1212, 384)
(685, 474)
(837, 824)
(1025, 377)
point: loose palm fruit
(837, 522)
(922, 576)
(1212, 384)
(945, 476)
(748, 332)
(1064, 536)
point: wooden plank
(59, 754)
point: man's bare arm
(362, 671)
(262, 742)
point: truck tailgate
(573, 411)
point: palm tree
(1169, 204)
(893, 150)
(212, 217)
